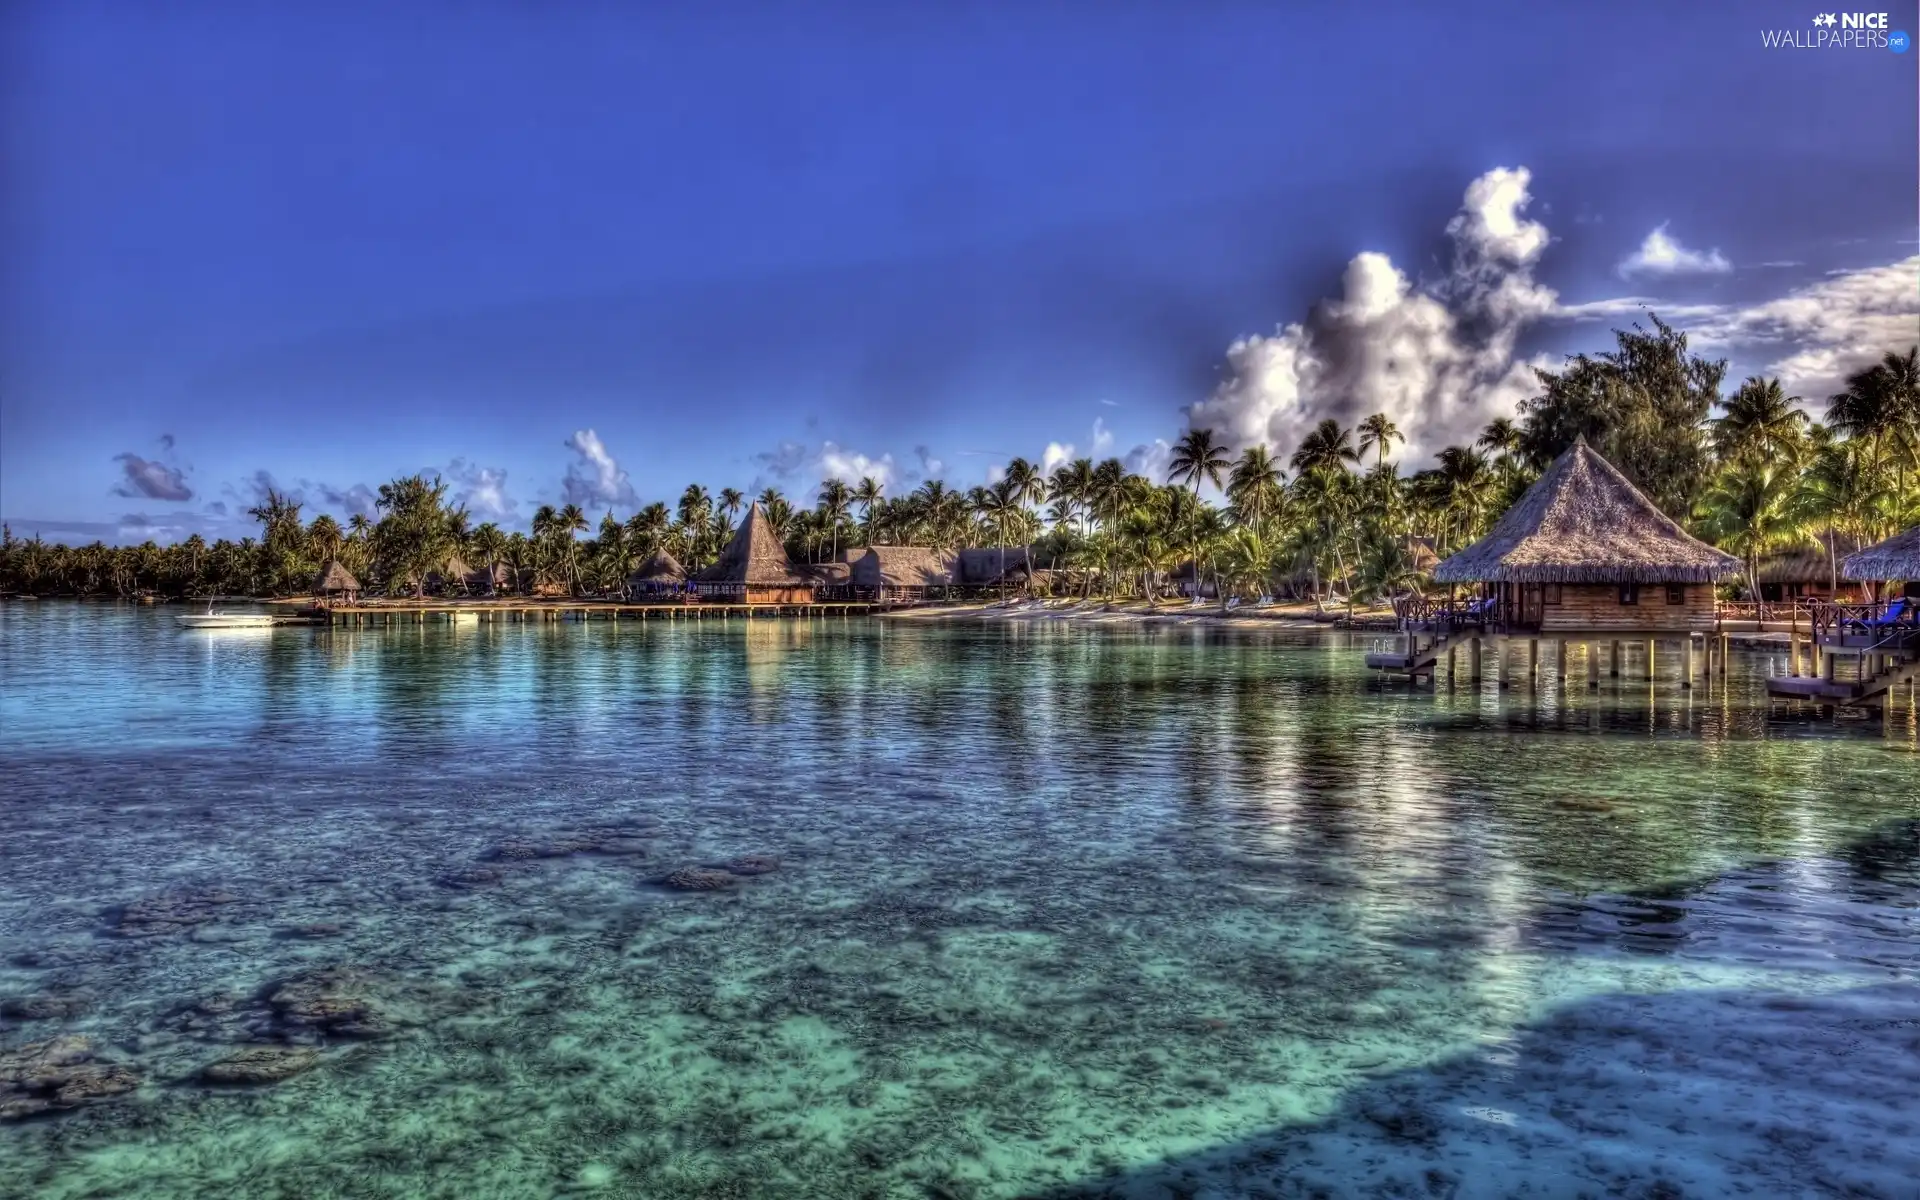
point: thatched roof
(755, 557)
(984, 564)
(1807, 563)
(903, 567)
(661, 568)
(335, 578)
(1583, 522)
(1896, 558)
(496, 576)
(834, 573)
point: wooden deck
(492, 611)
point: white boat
(224, 620)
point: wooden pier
(491, 612)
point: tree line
(1337, 519)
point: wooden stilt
(1686, 662)
(1533, 661)
(1613, 668)
(1450, 672)
(1650, 660)
(1560, 660)
(1593, 665)
(1473, 661)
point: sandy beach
(1102, 612)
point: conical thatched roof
(1896, 558)
(661, 568)
(986, 564)
(1583, 522)
(755, 556)
(335, 578)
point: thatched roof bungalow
(490, 580)
(661, 572)
(336, 583)
(1584, 550)
(754, 568)
(1809, 569)
(903, 569)
(988, 566)
(1896, 558)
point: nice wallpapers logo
(1839, 31)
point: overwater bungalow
(1583, 551)
(1896, 560)
(754, 568)
(661, 575)
(336, 584)
(1809, 572)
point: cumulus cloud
(483, 490)
(799, 462)
(594, 479)
(1151, 459)
(930, 467)
(353, 499)
(1661, 254)
(143, 477)
(849, 466)
(1438, 359)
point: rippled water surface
(1017, 910)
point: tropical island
(1334, 524)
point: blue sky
(746, 244)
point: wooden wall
(1597, 606)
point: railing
(1889, 623)
(1795, 612)
(1441, 616)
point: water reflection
(1051, 903)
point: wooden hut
(1809, 572)
(901, 572)
(660, 575)
(336, 583)
(490, 580)
(754, 568)
(991, 566)
(1896, 559)
(1583, 551)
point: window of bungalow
(1629, 593)
(1550, 594)
(1676, 593)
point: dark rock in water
(58, 1074)
(751, 864)
(260, 1064)
(335, 1001)
(1406, 1122)
(470, 878)
(170, 912)
(46, 1006)
(699, 879)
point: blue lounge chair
(1897, 614)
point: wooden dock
(491, 612)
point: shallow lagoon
(1057, 911)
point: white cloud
(595, 480)
(1660, 254)
(1102, 437)
(483, 490)
(850, 466)
(144, 477)
(1151, 460)
(1057, 454)
(1815, 335)
(1438, 360)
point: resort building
(992, 566)
(1583, 551)
(754, 568)
(1896, 560)
(1809, 572)
(661, 575)
(491, 580)
(336, 584)
(900, 572)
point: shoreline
(1132, 613)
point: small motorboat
(224, 620)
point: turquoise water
(1020, 910)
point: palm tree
(1029, 487)
(1254, 488)
(1502, 436)
(835, 499)
(1197, 457)
(1760, 421)
(572, 521)
(1072, 484)
(1378, 433)
(731, 502)
(1328, 447)
(867, 494)
(1751, 511)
